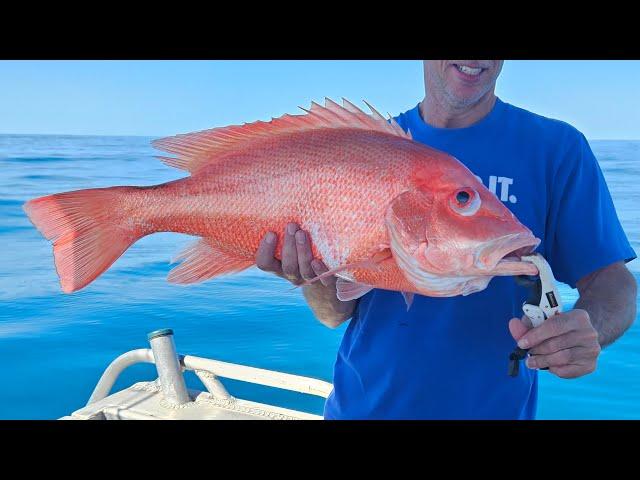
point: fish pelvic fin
(346, 290)
(202, 260)
(199, 149)
(372, 263)
(87, 236)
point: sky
(157, 98)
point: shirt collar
(421, 129)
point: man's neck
(436, 114)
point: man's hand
(298, 265)
(566, 343)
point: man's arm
(609, 297)
(569, 343)
(299, 265)
(323, 300)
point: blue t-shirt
(447, 358)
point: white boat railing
(170, 367)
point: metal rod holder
(168, 366)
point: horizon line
(159, 136)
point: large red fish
(382, 211)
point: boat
(168, 398)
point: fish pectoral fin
(379, 257)
(372, 263)
(407, 219)
(347, 290)
(202, 260)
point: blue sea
(54, 347)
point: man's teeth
(469, 70)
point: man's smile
(468, 72)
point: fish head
(451, 235)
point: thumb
(517, 328)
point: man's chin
(463, 97)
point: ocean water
(54, 347)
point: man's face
(461, 83)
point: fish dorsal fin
(199, 149)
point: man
(448, 357)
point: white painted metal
(169, 369)
(148, 400)
(270, 378)
(234, 371)
(212, 384)
(113, 371)
(144, 401)
(537, 314)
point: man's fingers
(552, 327)
(517, 328)
(265, 259)
(569, 356)
(586, 338)
(305, 255)
(573, 371)
(319, 268)
(297, 263)
(290, 267)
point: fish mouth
(504, 255)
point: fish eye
(463, 197)
(465, 201)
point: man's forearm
(609, 297)
(325, 304)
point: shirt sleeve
(583, 232)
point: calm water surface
(54, 347)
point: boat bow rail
(168, 398)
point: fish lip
(506, 258)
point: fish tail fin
(87, 234)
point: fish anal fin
(199, 149)
(202, 261)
